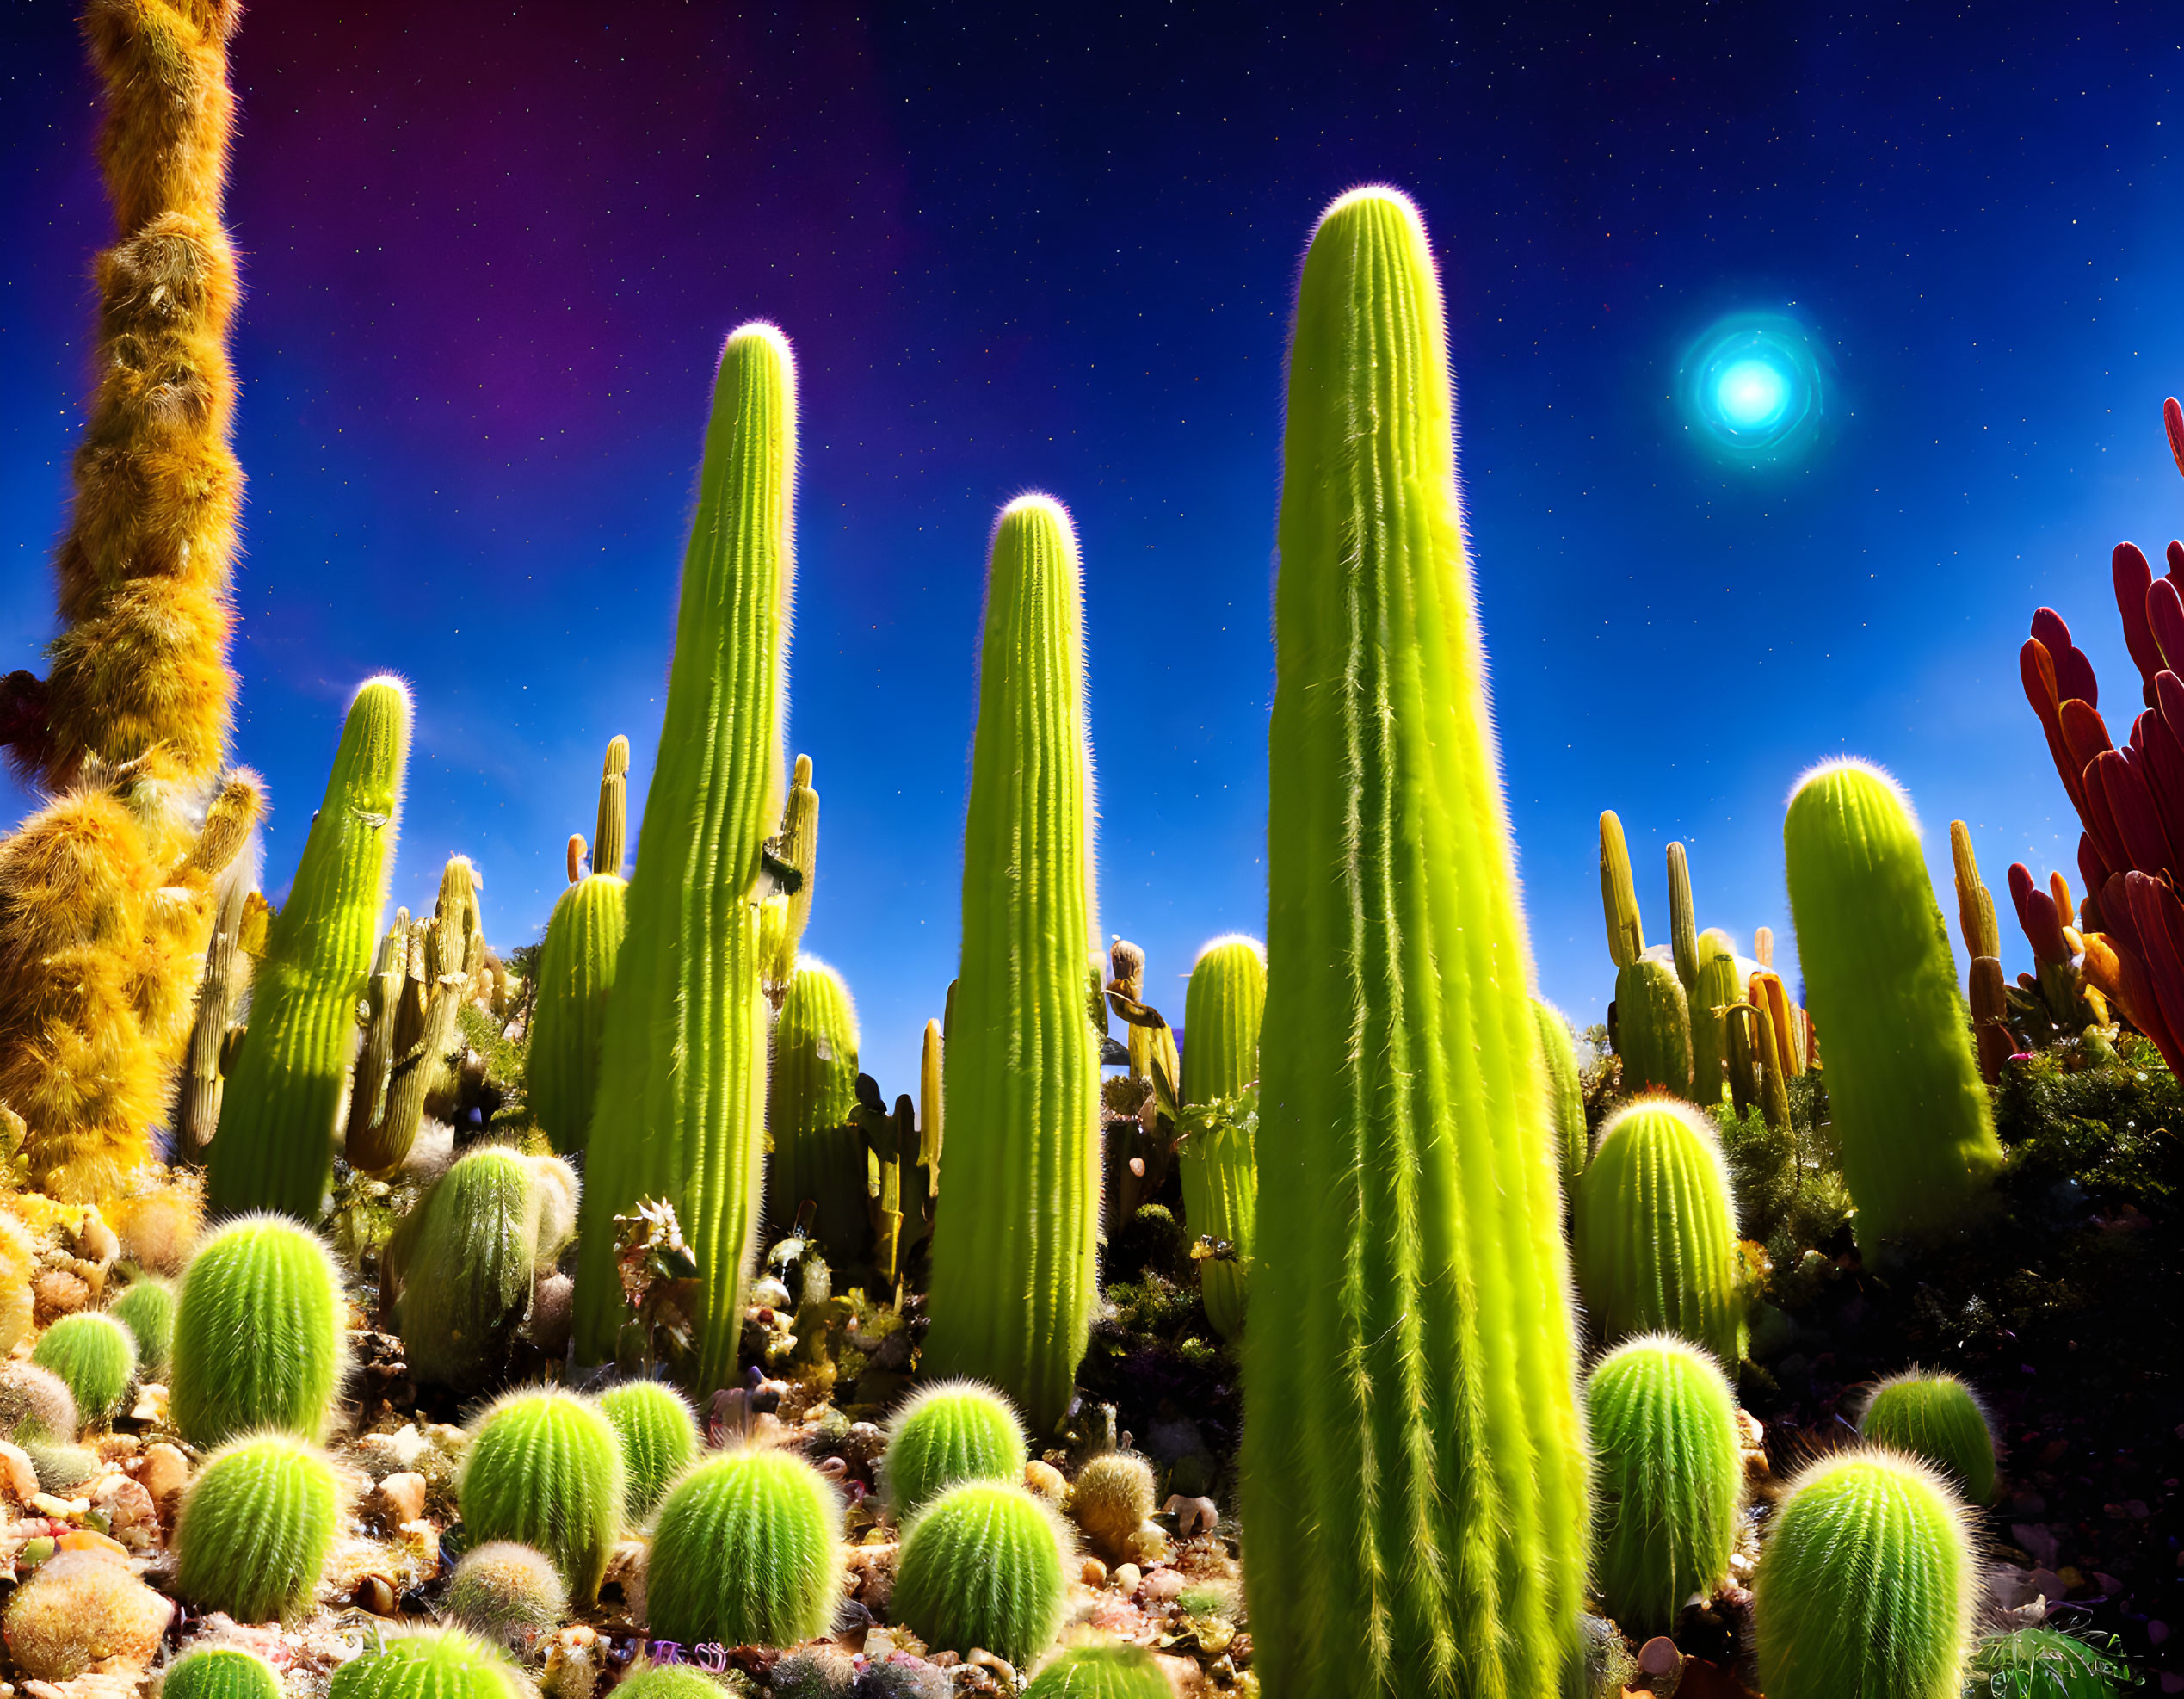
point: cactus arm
(612, 832)
(1683, 921)
(1618, 894)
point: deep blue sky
(491, 253)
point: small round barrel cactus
(220, 1672)
(1936, 1417)
(1865, 1583)
(957, 1430)
(255, 1529)
(36, 1404)
(508, 1593)
(146, 1309)
(544, 1467)
(1110, 1500)
(438, 1664)
(1656, 1232)
(747, 1553)
(2042, 1664)
(984, 1565)
(1101, 1672)
(262, 1279)
(97, 1357)
(1666, 1475)
(659, 1436)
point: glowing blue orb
(1750, 389)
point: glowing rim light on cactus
(1752, 390)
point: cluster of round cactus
(260, 1336)
(545, 1468)
(255, 1527)
(957, 1430)
(1934, 1416)
(659, 1436)
(95, 1356)
(747, 1553)
(984, 1565)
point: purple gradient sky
(491, 254)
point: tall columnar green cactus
(1683, 920)
(576, 975)
(1715, 984)
(1653, 1028)
(1656, 1231)
(264, 1280)
(680, 1108)
(748, 1553)
(1102, 1672)
(1013, 1255)
(97, 1357)
(1221, 1014)
(256, 1528)
(1916, 1131)
(544, 1468)
(282, 1104)
(984, 1565)
(1416, 1506)
(1938, 1417)
(219, 1672)
(957, 1430)
(1567, 1133)
(1618, 894)
(659, 1436)
(1666, 1475)
(810, 1113)
(436, 1664)
(1865, 1585)
(463, 1264)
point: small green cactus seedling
(2042, 1664)
(438, 1664)
(659, 1436)
(36, 1404)
(220, 1672)
(544, 1467)
(957, 1430)
(1110, 1500)
(255, 1529)
(984, 1565)
(1666, 1474)
(264, 1280)
(96, 1356)
(1655, 1231)
(1865, 1583)
(672, 1681)
(1934, 1416)
(508, 1593)
(79, 1608)
(146, 1309)
(747, 1553)
(1100, 1672)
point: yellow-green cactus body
(262, 1279)
(1221, 1015)
(1652, 1026)
(256, 1528)
(1565, 1094)
(1935, 1417)
(812, 1114)
(576, 974)
(545, 1468)
(1414, 1470)
(748, 1553)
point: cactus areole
(1414, 1472)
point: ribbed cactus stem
(1416, 1507)
(1618, 894)
(1683, 924)
(445, 954)
(799, 841)
(1714, 987)
(283, 1103)
(1975, 902)
(1912, 1115)
(610, 836)
(1567, 1133)
(382, 1003)
(680, 1108)
(1653, 1028)
(931, 1122)
(810, 1113)
(227, 972)
(1221, 1014)
(1014, 1272)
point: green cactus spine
(438, 1663)
(146, 1309)
(810, 1113)
(748, 1553)
(1102, 1672)
(97, 1357)
(1937, 1417)
(984, 1565)
(545, 1468)
(956, 1431)
(1221, 1015)
(1666, 1477)
(659, 1436)
(282, 1104)
(255, 1529)
(576, 975)
(1656, 1231)
(265, 1280)
(681, 1103)
(1916, 1131)
(466, 1261)
(1565, 1094)
(1416, 1517)
(1652, 1027)
(1014, 1270)
(1865, 1585)
(219, 1672)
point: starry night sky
(492, 251)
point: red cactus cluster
(2129, 798)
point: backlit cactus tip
(1910, 1109)
(1403, 1125)
(1013, 1251)
(610, 836)
(1618, 894)
(957, 1430)
(1567, 1133)
(659, 1436)
(1938, 1417)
